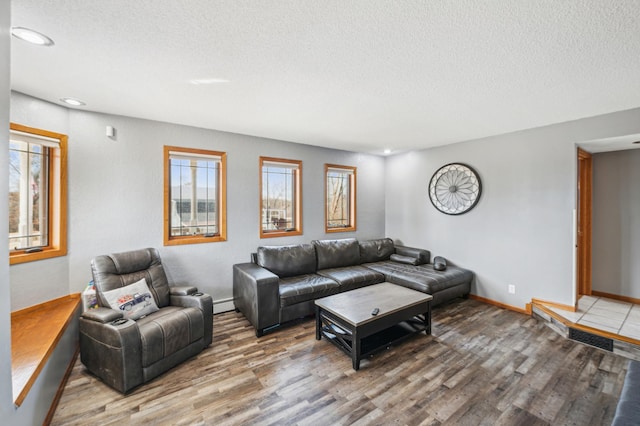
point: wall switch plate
(512, 289)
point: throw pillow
(439, 263)
(134, 300)
(405, 259)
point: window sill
(275, 234)
(35, 332)
(344, 229)
(177, 241)
(31, 257)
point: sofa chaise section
(442, 285)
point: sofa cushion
(352, 277)
(422, 277)
(306, 287)
(337, 253)
(167, 331)
(288, 261)
(376, 250)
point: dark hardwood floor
(482, 365)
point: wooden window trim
(297, 204)
(170, 240)
(57, 242)
(352, 199)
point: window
(340, 197)
(195, 196)
(37, 194)
(280, 200)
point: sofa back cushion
(337, 253)
(288, 261)
(376, 250)
(117, 270)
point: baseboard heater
(220, 301)
(591, 339)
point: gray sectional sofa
(628, 409)
(282, 282)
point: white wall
(116, 198)
(6, 399)
(616, 223)
(521, 232)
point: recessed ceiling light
(208, 80)
(31, 36)
(72, 101)
(387, 151)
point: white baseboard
(223, 305)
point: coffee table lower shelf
(331, 328)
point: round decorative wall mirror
(455, 188)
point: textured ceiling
(356, 75)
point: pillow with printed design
(134, 300)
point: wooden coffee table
(346, 318)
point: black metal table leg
(427, 319)
(356, 349)
(318, 324)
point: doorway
(584, 225)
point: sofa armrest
(422, 256)
(628, 408)
(102, 315)
(199, 300)
(111, 350)
(256, 294)
(202, 301)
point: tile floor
(610, 315)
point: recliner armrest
(422, 256)
(202, 301)
(111, 349)
(195, 300)
(182, 290)
(102, 315)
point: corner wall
(522, 231)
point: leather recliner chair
(125, 353)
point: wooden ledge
(35, 332)
(586, 328)
(569, 308)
